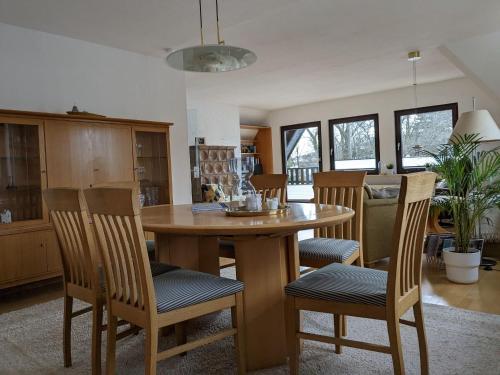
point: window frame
(397, 125)
(304, 125)
(332, 122)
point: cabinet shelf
(261, 138)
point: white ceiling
(308, 50)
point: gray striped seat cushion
(182, 288)
(150, 245)
(158, 268)
(329, 249)
(342, 283)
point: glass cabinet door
(151, 169)
(20, 173)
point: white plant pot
(462, 268)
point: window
(354, 143)
(301, 157)
(416, 129)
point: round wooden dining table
(266, 256)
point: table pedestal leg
(265, 265)
(191, 252)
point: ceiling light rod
(219, 41)
(413, 57)
(201, 26)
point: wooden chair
(153, 303)
(270, 186)
(348, 290)
(82, 272)
(80, 266)
(340, 243)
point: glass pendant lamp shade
(477, 122)
(211, 58)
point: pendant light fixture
(413, 58)
(211, 58)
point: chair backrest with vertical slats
(117, 223)
(343, 188)
(409, 233)
(270, 185)
(68, 214)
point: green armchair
(379, 215)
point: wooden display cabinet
(22, 172)
(152, 165)
(40, 150)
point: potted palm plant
(473, 180)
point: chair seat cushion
(342, 283)
(181, 288)
(150, 246)
(327, 249)
(158, 268)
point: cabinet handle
(96, 170)
(43, 171)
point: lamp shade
(477, 122)
(211, 58)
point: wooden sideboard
(40, 150)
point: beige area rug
(459, 341)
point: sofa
(380, 204)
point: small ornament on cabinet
(75, 111)
(6, 216)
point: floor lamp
(478, 122)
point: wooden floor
(482, 296)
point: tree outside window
(420, 128)
(354, 143)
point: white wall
(479, 57)
(384, 103)
(218, 123)
(253, 116)
(48, 73)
